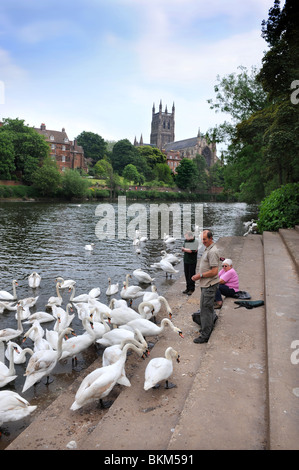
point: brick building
(66, 153)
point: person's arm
(211, 273)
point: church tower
(162, 128)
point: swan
(25, 312)
(122, 315)
(99, 327)
(36, 333)
(98, 307)
(28, 301)
(167, 267)
(170, 257)
(13, 407)
(65, 284)
(168, 239)
(41, 317)
(130, 292)
(99, 383)
(4, 295)
(153, 307)
(115, 303)
(8, 374)
(112, 288)
(7, 306)
(63, 316)
(55, 300)
(148, 328)
(142, 276)
(153, 294)
(95, 292)
(89, 247)
(116, 336)
(19, 354)
(75, 345)
(9, 333)
(43, 362)
(160, 368)
(34, 280)
(78, 298)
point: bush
(280, 209)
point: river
(50, 238)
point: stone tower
(162, 128)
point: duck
(130, 292)
(42, 362)
(142, 276)
(160, 368)
(112, 288)
(168, 268)
(8, 374)
(4, 295)
(148, 328)
(99, 383)
(19, 354)
(9, 333)
(34, 280)
(55, 300)
(13, 407)
(65, 284)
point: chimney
(43, 127)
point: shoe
(200, 340)
(216, 306)
(190, 292)
(185, 291)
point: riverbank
(238, 391)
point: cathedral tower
(162, 128)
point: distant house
(66, 153)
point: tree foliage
(47, 178)
(94, 146)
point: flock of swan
(116, 327)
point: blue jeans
(224, 290)
(207, 298)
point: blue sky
(99, 65)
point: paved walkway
(238, 391)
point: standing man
(209, 281)
(190, 249)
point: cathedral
(163, 137)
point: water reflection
(50, 239)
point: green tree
(94, 146)
(123, 154)
(7, 156)
(163, 173)
(73, 185)
(187, 174)
(131, 173)
(103, 168)
(47, 178)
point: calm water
(51, 238)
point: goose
(55, 300)
(19, 354)
(8, 374)
(112, 288)
(148, 328)
(13, 407)
(168, 268)
(75, 345)
(153, 307)
(65, 284)
(130, 292)
(4, 295)
(41, 317)
(99, 383)
(142, 276)
(160, 368)
(34, 280)
(89, 247)
(9, 333)
(43, 362)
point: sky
(100, 65)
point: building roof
(181, 144)
(59, 136)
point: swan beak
(16, 349)
(178, 358)
(73, 333)
(170, 314)
(181, 334)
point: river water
(50, 239)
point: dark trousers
(207, 297)
(189, 270)
(224, 290)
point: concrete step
(290, 238)
(282, 326)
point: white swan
(173, 259)
(99, 383)
(99, 307)
(11, 306)
(122, 315)
(112, 288)
(153, 294)
(43, 362)
(65, 284)
(99, 327)
(95, 292)
(142, 276)
(130, 292)
(64, 318)
(36, 333)
(55, 300)
(8, 374)
(19, 354)
(115, 336)
(4, 295)
(148, 328)
(160, 368)
(76, 344)
(13, 407)
(78, 298)
(34, 280)
(168, 267)
(9, 333)
(115, 303)
(89, 247)
(28, 301)
(152, 307)
(41, 317)
(168, 239)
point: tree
(47, 179)
(187, 174)
(103, 168)
(73, 184)
(7, 156)
(94, 146)
(131, 173)
(123, 154)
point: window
(51, 137)
(63, 158)
(65, 139)
(53, 146)
(63, 147)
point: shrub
(280, 209)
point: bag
(249, 303)
(242, 294)
(196, 317)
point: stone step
(290, 238)
(282, 327)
